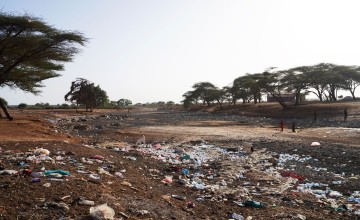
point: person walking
(293, 126)
(315, 115)
(282, 125)
(345, 114)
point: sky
(156, 50)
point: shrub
(22, 105)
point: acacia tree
(273, 84)
(123, 103)
(296, 80)
(228, 94)
(246, 86)
(82, 93)
(101, 97)
(216, 94)
(32, 51)
(351, 76)
(204, 90)
(317, 81)
(334, 79)
(189, 97)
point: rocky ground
(194, 165)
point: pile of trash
(32, 165)
(235, 174)
(238, 175)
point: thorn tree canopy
(82, 92)
(32, 51)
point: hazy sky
(155, 50)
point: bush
(22, 105)
(65, 106)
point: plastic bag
(102, 212)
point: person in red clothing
(282, 124)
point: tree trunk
(259, 97)
(219, 103)
(318, 94)
(3, 107)
(353, 94)
(282, 103)
(234, 101)
(332, 93)
(297, 97)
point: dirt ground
(89, 143)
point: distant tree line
(324, 80)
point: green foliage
(32, 51)
(5, 103)
(42, 105)
(82, 92)
(64, 106)
(22, 105)
(123, 103)
(170, 104)
(101, 97)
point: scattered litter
(167, 179)
(42, 151)
(60, 205)
(102, 171)
(119, 174)
(143, 212)
(35, 180)
(62, 172)
(102, 212)
(254, 204)
(9, 172)
(335, 194)
(86, 202)
(47, 185)
(97, 157)
(124, 183)
(292, 175)
(178, 197)
(236, 216)
(190, 204)
(301, 217)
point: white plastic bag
(102, 212)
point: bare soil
(74, 136)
